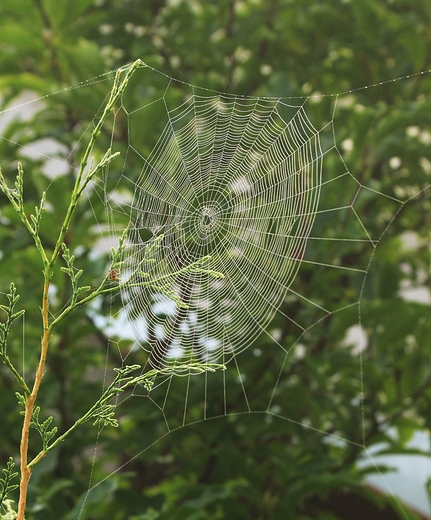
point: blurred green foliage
(242, 466)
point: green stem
(150, 283)
(85, 300)
(114, 389)
(20, 210)
(18, 377)
(80, 184)
(120, 383)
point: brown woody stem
(29, 406)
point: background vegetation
(249, 466)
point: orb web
(231, 180)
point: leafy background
(238, 467)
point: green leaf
(6, 485)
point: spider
(112, 275)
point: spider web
(250, 184)
(237, 180)
(229, 179)
(255, 186)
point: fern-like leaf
(6, 485)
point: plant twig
(16, 199)
(5, 327)
(103, 411)
(15, 196)
(81, 181)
